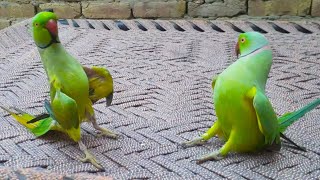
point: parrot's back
(67, 71)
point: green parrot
(73, 88)
(246, 119)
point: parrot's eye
(36, 24)
(243, 40)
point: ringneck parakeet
(246, 118)
(73, 88)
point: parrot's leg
(88, 156)
(215, 155)
(104, 131)
(219, 154)
(204, 138)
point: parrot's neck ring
(265, 47)
(53, 40)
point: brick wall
(12, 11)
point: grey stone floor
(162, 76)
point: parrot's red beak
(237, 50)
(52, 27)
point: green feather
(43, 127)
(287, 119)
(38, 128)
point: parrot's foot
(108, 133)
(194, 142)
(211, 156)
(89, 157)
(103, 131)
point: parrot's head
(45, 29)
(250, 42)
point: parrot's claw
(211, 156)
(108, 133)
(104, 131)
(91, 159)
(194, 142)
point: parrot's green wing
(100, 84)
(267, 118)
(64, 108)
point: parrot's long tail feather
(293, 143)
(287, 119)
(40, 126)
(38, 118)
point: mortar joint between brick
(247, 7)
(131, 13)
(310, 11)
(186, 9)
(81, 15)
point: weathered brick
(217, 8)
(211, 1)
(279, 7)
(17, 20)
(315, 11)
(14, 10)
(109, 1)
(4, 23)
(158, 9)
(29, 1)
(38, 2)
(132, 2)
(198, 1)
(99, 10)
(72, 0)
(19, 1)
(64, 10)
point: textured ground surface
(162, 98)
